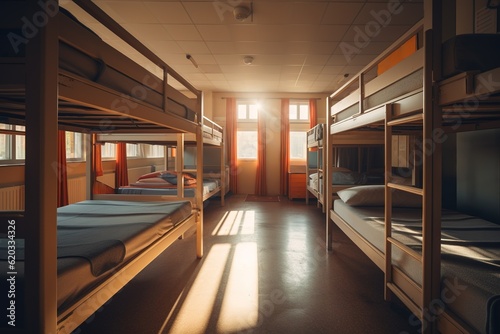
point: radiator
(77, 189)
(12, 198)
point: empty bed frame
(214, 177)
(447, 249)
(101, 96)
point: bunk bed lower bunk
(164, 183)
(358, 159)
(169, 182)
(111, 94)
(101, 245)
(470, 274)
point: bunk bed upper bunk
(396, 224)
(110, 93)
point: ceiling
(304, 46)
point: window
(298, 148)
(134, 151)
(108, 151)
(299, 111)
(247, 111)
(74, 146)
(246, 135)
(247, 144)
(154, 151)
(12, 146)
(299, 124)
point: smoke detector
(241, 13)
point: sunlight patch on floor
(239, 309)
(236, 222)
(197, 308)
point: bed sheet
(470, 256)
(118, 229)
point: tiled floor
(265, 270)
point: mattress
(470, 52)
(96, 237)
(144, 188)
(470, 257)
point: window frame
(247, 125)
(297, 104)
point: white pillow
(373, 195)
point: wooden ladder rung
(409, 189)
(406, 119)
(417, 256)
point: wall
(478, 173)
(271, 105)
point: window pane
(252, 113)
(297, 145)
(304, 112)
(132, 150)
(242, 111)
(292, 109)
(247, 144)
(5, 143)
(5, 147)
(155, 151)
(74, 145)
(108, 151)
(20, 147)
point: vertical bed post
(431, 229)
(327, 175)
(40, 173)
(179, 164)
(223, 169)
(199, 175)
(388, 202)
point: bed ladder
(421, 299)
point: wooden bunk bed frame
(314, 141)
(413, 112)
(52, 99)
(212, 135)
(353, 138)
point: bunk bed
(91, 88)
(169, 182)
(450, 283)
(362, 167)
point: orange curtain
(62, 175)
(121, 170)
(97, 160)
(313, 118)
(313, 113)
(260, 178)
(231, 127)
(285, 141)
